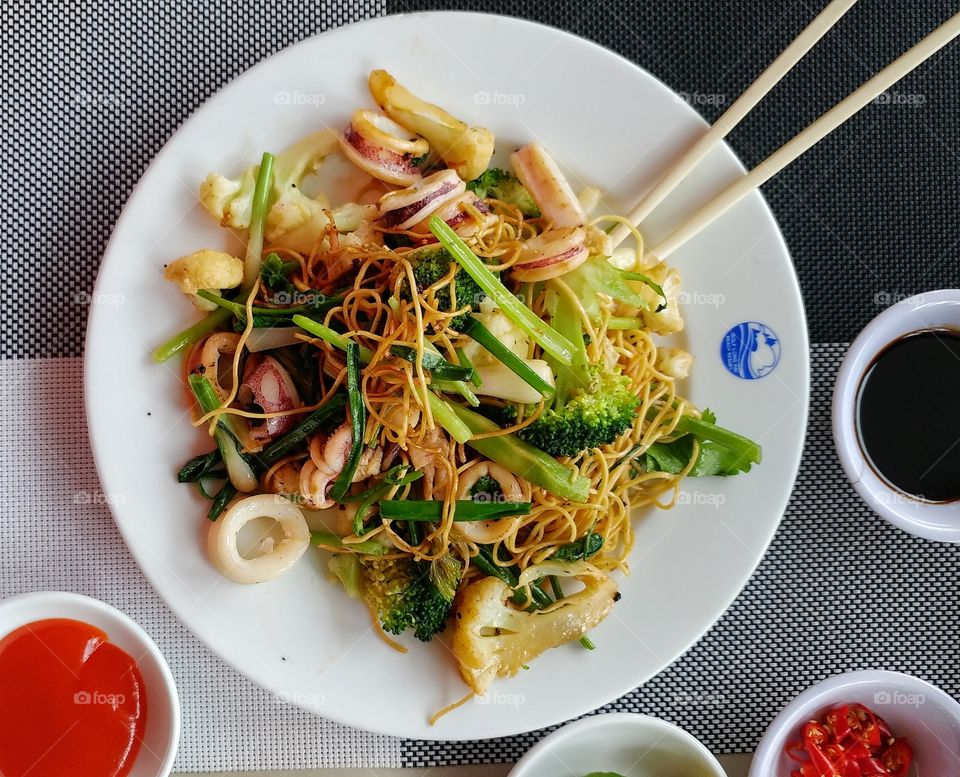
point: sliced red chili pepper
(852, 741)
(898, 757)
(862, 724)
(840, 720)
(852, 769)
(871, 767)
(822, 764)
(836, 753)
(815, 733)
(858, 751)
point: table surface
(734, 765)
(869, 216)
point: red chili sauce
(71, 702)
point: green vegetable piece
(403, 596)
(604, 774)
(221, 500)
(430, 264)
(274, 272)
(486, 489)
(591, 407)
(547, 337)
(580, 549)
(328, 335)
(358, 423)
(503, 185)
(431, 510)
(331, 540)
(190, 335)
(199, 467)
(723, 453)
(348, 569)
(475, 329)
(523, 459)
(258, 219)
(317, 420)
(435, 364)
(397, 476)
(597, 276)
(267, 317)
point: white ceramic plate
(610, 124)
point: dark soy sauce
(908, 414)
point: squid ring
(382, 148)
(486, 532)
(276, 560)
(403, 208)
(457, 217)
(550, 255)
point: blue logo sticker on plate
(750, 350)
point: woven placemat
(869, 215)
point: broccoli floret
(590, 419)
(506, 187)
(432, 263)
(591, 406)
(407, 594)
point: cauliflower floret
(230, 200)
(493, 639)
(296, 221)
(668, 320)
(205, 269)
(503, 329)
(674, 362)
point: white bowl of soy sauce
(896, 415)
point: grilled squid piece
(219, 344)
(276, 557)
(328, 457)
(546, 184)
(464, 148)
(267, 384)
(382, 148)
(336, 451)
(551, 254)
(432, 457)
(316, 480)
(403, 208)
(485, 532)
(459, 219)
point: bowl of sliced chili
(864, 724)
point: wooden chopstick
(812, 135)
(731, 117)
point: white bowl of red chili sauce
(912, 718)
(83, 690)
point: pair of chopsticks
(790, 150)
